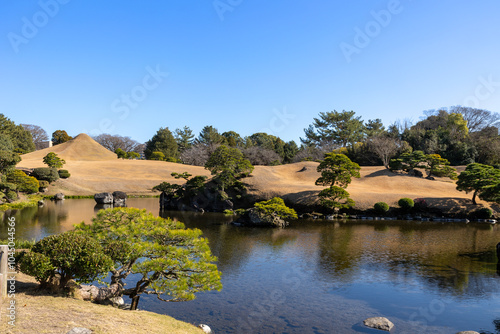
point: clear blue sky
(242, 65)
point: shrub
(63, 173)
(46, 174)
(240, 211)
(157, 156)
(483, 213)
(11, 195)
(8, 186)
(25, 183)
(43, 184)
(420, 204)
(228, 212)
(275, 206)
(71, 255)
(406, 203)
(381, 207)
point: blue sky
(130, 67)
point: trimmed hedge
(381, 207)
(406, 203)
(46, 174)
(63, 173)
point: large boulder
(254, 218)
(59, 196)
(80, 330)
(379, 323)
(103, 198)
(119, 198)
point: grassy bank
(23, 202)
(42, 313)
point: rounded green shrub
(483, 213)
(46, 174)
(275, 206)
(25, 183)
(63, 173)
(71, 255)
(381, 207)
(406, 203)
(11, 195)
(8, 186)
(43, 184)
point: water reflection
(323, 276)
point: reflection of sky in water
(325, 277)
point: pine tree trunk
(135, 302)
(474, 197)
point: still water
(323, 276)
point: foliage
(70, 255)
(184, 138)
(478, 178)
(228, 165)
(184, 175)
(381, 207)
(228, 212)
(19, 243)
(337, 169)
(341, 128)
(60, 136)
(408, 162)
(121, 154)
(233, 139)
(439, 166)
(6, 143)
(157, 156)
(163, 256)
(335, 198)
(420, 204)
(477, 119)
(133, 155)
(163, 141)
(19, 137)
(63, 173)
(53, 161)
(24, 183)
(11, 195)
(168, 188)
(406, 203)
(482, 213)
(46, 174)
(275, 206)
(8, 160)
(210, 136)
(43, 184)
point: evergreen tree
(60, 136)
(163, 141)
(184, 138)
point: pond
(324, 276)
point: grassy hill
(95, 169)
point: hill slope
(95, 169)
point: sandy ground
(95, 169)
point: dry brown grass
(38, 313)
(94, 169)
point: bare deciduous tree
(477, 119)
(385, 148)
(261, 156)
(114, 142)
(39, 135)
(197, 155)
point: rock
(379, 323)
(119, 198)
(468, 332)
(205, 328)
(430, 178)
(104, 198)
(117, 301)
(79, 330)
(59, 196)
(41, 202)
(303, 169)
